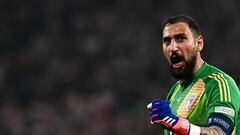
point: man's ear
(200, 43)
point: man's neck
(198, 65)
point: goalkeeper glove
(161, 113)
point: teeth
(177, 65)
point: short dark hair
(192, 23)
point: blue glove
(161, 113)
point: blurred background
(90, 67)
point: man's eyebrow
(180, 35)
(176, 35)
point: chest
(185, 98)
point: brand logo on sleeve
(225, 110)
(219, 121)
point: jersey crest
(190, 102)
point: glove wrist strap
(182, 127)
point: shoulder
(218, 78)
(222, 85)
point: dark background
(79, 67)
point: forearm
(196, 130)
(213, 130)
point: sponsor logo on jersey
(225, 110)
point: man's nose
(173, 46)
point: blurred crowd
(70, 67)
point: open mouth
(177, 61)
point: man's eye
(167, 41)
(180, 38)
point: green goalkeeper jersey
(210, 90)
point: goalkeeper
(205, 100)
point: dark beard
(185, 72)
